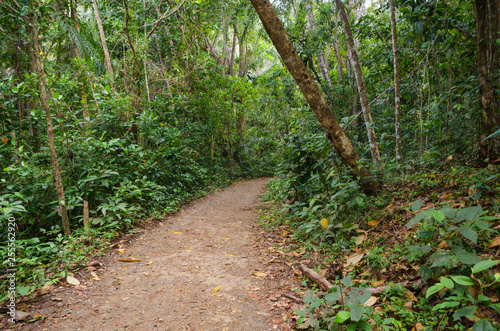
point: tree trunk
(321, 58)
(397, 95)
(107, 59)
(361, 87)
(312, 94)
(233, 51)
(242, 64)
(488, 58)
(44, 100)
(336, 49)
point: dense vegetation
(154, 104)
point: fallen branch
(293, 298)
(325, 285)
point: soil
(208, 267)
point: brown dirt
(185, 258)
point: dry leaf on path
(371, 301)
(175, 232)
(147, 263)
(354, 258)
(72, 280)
(216, 289)
(410, 296)
(94, 276)
(360, 239)
(228, 255)
(377, 283)
(418, 327)
(125, 299)
(494, 243)
(129, 260)
(260, 274)
(121, 250)
(373, 223)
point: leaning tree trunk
(321, 58)
(397, 95)
(488, 57)
(107, 59)
(230, 66)
(312, 94)
(44, 100)
(361, 87)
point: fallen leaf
(260, 274)
(377, 283)
(354, 258)
(224, 239)
(72, 280)
(216, 289)
(125, 299)
(324, 223)
(360, 239)
(371, 301)
(5, 139)
(495, 242)
(295, 254)
(373, 223)
(229, 255)
(442, 245)
(46, 288)
(147, 263)
(410, 296)
(129, 260)
(121, 250)
(94, 276)
(419, 327)
(175, 232)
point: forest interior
(250, 165)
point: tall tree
(44, 101)
(107, 59)
(361, 86)
(397, 94)
(312, 93)
(488, 62)
(321, 58)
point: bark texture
(44, 101)
(312, 93)
(321, 58)
(361, 87)
(397, 94)
(488, 59)
(107, 59)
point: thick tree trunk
(107, 59)
(488, 57)
(44, 100)
(361, 87)
(397, 95)
(312, 94)
(321, 58)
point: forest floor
(209, 267)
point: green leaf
(433, 289)
(468, 258)
(364, 326)
(494, 134)
(300, 313)
(55, 95)
(463, 280)
(447, 282)
(464, 312)
(342, 316)
(468, 233)
(414, 221)
(448, 212)
(107, 89)
(483, 325)
(438, 216)
(23, 290)
(468, 214)
(356, 313)
(446, 304)
(331, 298)
(347, 281)
(483, 265)
(416, 205)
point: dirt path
(210, 245)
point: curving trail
(209, 244)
